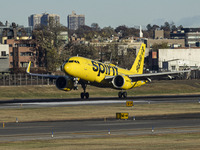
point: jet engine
(64, 83)
(122, 82)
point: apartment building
(20, 53)
(75, 21)
(43, 19)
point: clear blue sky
(106, 12)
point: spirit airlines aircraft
(86, 71)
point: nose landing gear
(84, 94)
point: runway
(29, 103)
(145, 125)
(95, 128)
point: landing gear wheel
(85, 95)
(124, 94)
(120, 94)
(82, 95)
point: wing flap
(150, 76)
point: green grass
(94, 111)
(154, 88)
(149, 142)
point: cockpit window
(66, 61)
(75, 61)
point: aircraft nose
(66, 68)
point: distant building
(173, 43)
(158, 34)
(4, 58)
(75, 21)
(179, 59)
(64, 36)
(20, 53)
(190, 35)
(43, 19)
(17, 33)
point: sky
(131, 13)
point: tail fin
(139, 61)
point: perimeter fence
(24, 79)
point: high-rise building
(75, 21)
(43, 19)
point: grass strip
(154, 88)
(151, 142)
(93, 111)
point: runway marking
(81, 103)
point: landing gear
(122, 94)
(75, 83)
(84, 94)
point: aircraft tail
(139, 61)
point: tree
(122, 29)
(95, 27)
(1, 24)
(107, 32)
(180, 27)
(149, 28)
(72, 49)
(49, 46)
(83, 30)
(159, 46)
(166, 26)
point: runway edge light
(108, 131)
(152, 130)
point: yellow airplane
(86, 71)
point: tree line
(89, 32)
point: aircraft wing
(40, 75)
(150, 76)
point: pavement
(95, 128)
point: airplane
(84, 71)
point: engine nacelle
(122, 82)
(64, 83)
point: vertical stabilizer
(139, 61)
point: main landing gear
(84, 94)
(122, 94)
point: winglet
(29, 67)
